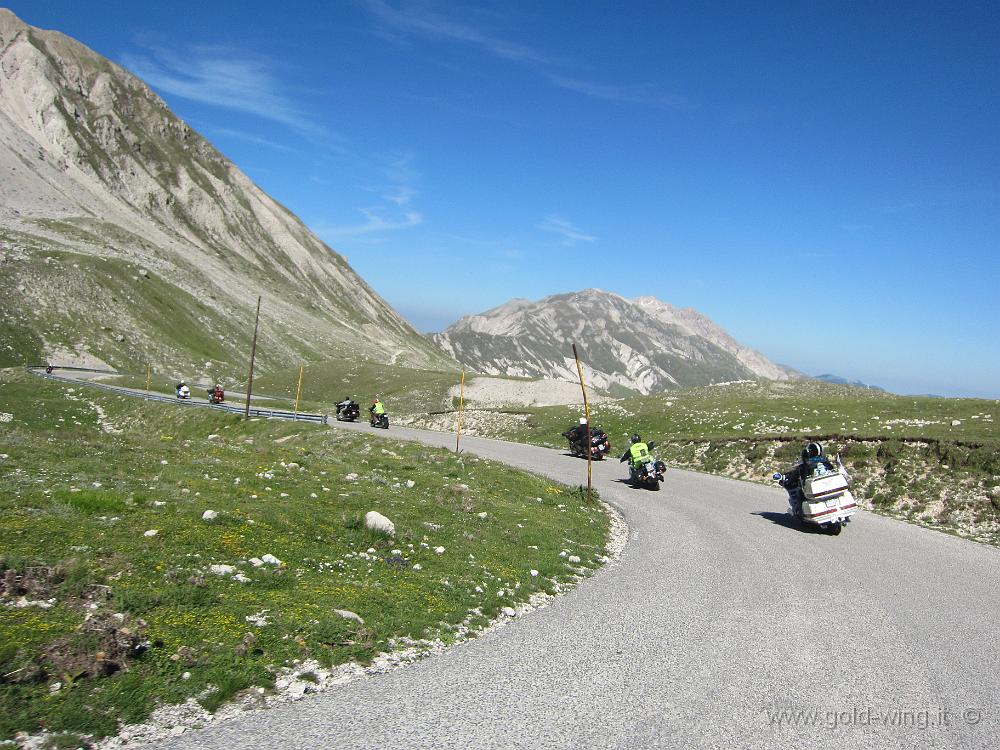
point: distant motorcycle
(599, 446)
(348, 412)
(183, 391)
(647, 472)
(216, 395)
(822, 498)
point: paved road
(717, 613)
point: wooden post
(461, 402)
(586, 411)
(298, 390)
(253, 354)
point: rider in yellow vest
(376, 408)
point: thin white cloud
(426, 23)
(250, 138)
(629, 94)
(401, 195)
(374, 223)
(570, 234)
(223, 77)
(420, 20)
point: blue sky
(821, 179)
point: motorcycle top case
(825, 487)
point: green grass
(906, 455)
(78, 493)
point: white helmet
(583, 420)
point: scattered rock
(509, 612)
(221, 570)
(240, 578)
(348, 615)
(255, 561)
(573, 559)
(151, 532)
(270, 559)
(439, 550)
(534, 573)
(410, 484)
(377, 522)
(209, 515)
(483, 515)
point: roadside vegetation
(153, 555)
(932, 461)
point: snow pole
(298, 389)
(461, 403)
(586, 411)
(253, 354)
(148, 375)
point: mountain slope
(643, 345)
(128, 238)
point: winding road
(722, 625)
(719, 616)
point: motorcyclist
(344, 404)
(813, 461)
(636, 453)
(182, 390)
(216, 395)
(376, 409)
(576, 433)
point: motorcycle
(822, 499)
(216, 396)
(647, 475)
(183, 392)
(600, 446)
(380, 421)
(348, 412)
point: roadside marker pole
(147, 377)
(253, 354)
(461, 402)
(586, 411)
(298, 390)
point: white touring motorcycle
(823, 498)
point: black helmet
(814, 450)
(635, 439)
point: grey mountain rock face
(644, 345)
(127, 237)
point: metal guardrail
(255, 411)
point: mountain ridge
(114, 213)
(642, 345)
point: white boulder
(377, 522)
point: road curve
(719, 616)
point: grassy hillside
(931, 460)
(117, 595)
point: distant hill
(642, 345)
(837, 380)
(127, 238)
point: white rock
(151, 532)
(159, 503)
(377, 522)
(209, 515)
(439, 550)
(186, 676)
(396, 552)
(410, 483)
(221, 570)
(213, 436)
(352, 477)
(313, 495)
(509, 611)
(956, 422)
(96, 485)
(255, 561)
(418, 566)
(534, 573)
(270, 559)
(348, 615)
(482, 515)
(573, 559)
(563, 553)
(164, 462)
(240, 578)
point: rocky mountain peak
(643, 345)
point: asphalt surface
(719, 615)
